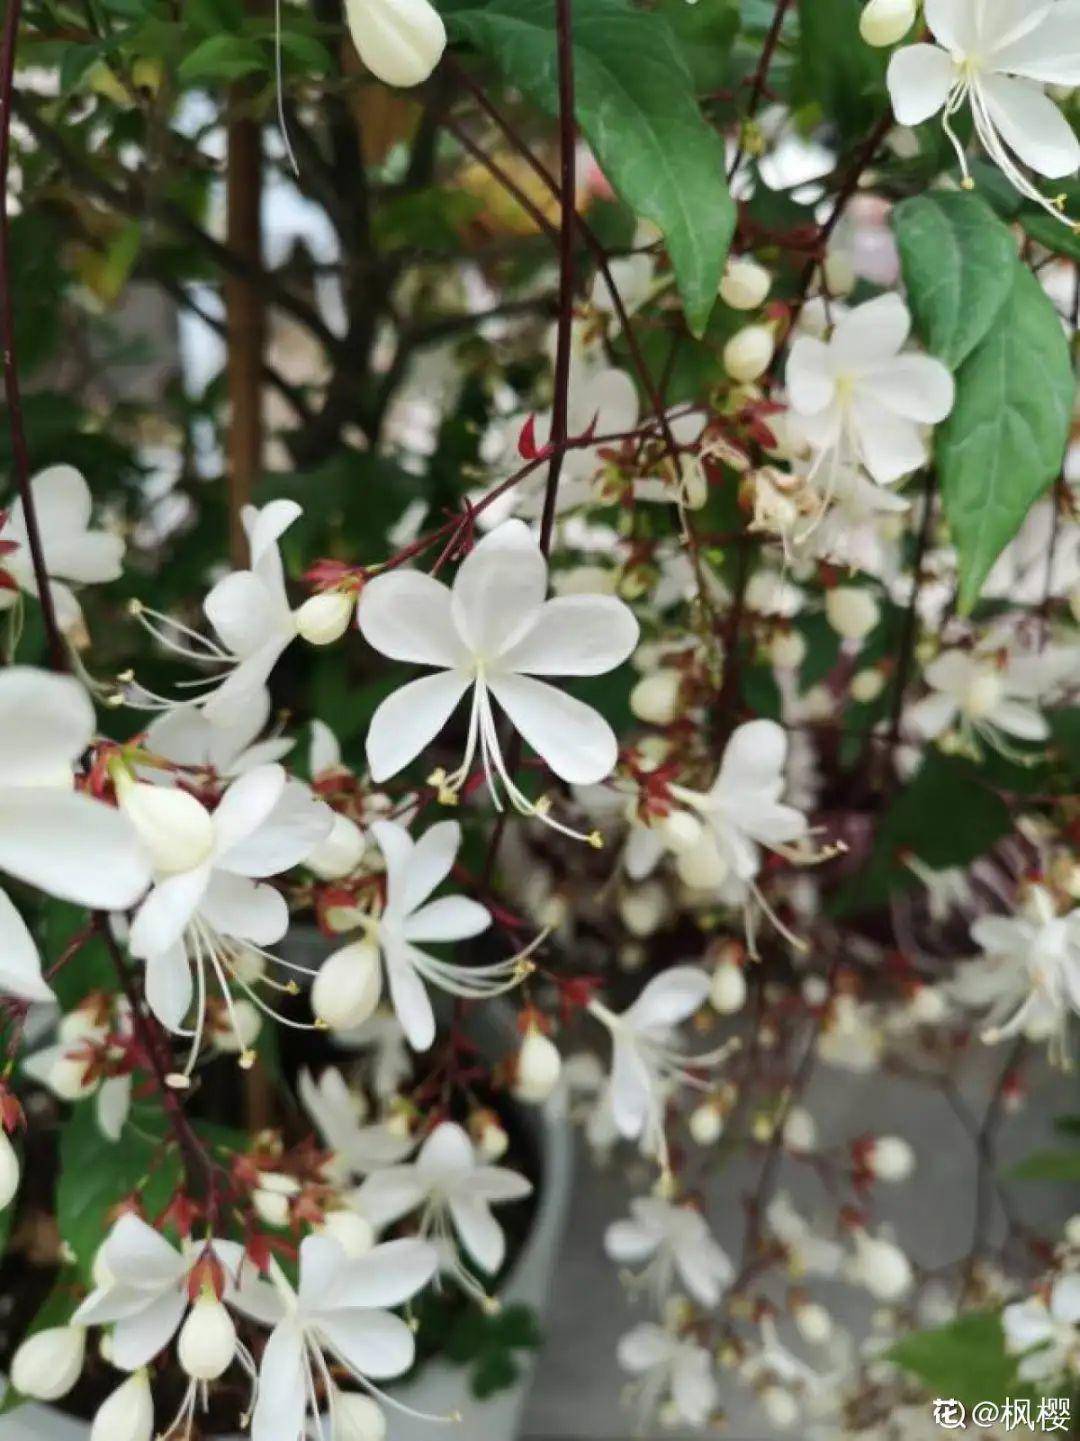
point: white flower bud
(851, 611)
(702, 867)
(867, 685)
(325, 618)
(348, 986)
(642, 911)
(271, 1207)
(1072, 1230)
(927, 1006)
(780, 1406)
(727, 993)
(838, 273)
(47, 1365)
(814, 1322)
(787, 649)
(175, 828)
(400, 41)
(884, 22)
(207, 1342)
(539, 1066)
(706, 1124)
(357, 1418)
(891, 1158)
(9, 1170)
(800, 1130)
(487, 1132)
(353, 1233)
(655, 698)
(341, 852)
(748, 353)
(745, 285)
(128, 1414)
(680, 831)
(881, 1267)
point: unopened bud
(881, 1267)
(702, 867)
(780, 1406)
(706, 1124)
(539, 1066)
(175, 828)
(749, 352)
(800, 1130)
(9, 1171)
(745, 285)
(867, 685)
(787, 649)
(814, 1322)
(207, 1341)
(655, 698)
(884, 22)
(851, 611)
(128, 1414)
(47, 1365)
(240, 1028)
(400, 41)
(488, 1135)
(891, 1158)
(348, 986)
(341, 852)
(727, 993)
(324, 618)
(643, 910)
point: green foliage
(966, 1359)
(959, 263)
(843, 75)
(1005, 440)
(483, 1344)
(634, 102)
(1050, 1165)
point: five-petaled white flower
(72, 551)
(453, 1193)
(647, 1060)
(998, 55)
(1045, 1332)
(987, 695)
(186, 738)
(860, 397)
(676, 1243)
(672, 1371)
(337, 1315)
(208, 911)
(493, 633)
(52, 837)
(1043, 948)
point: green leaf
(705, 34)
(966, 1359)
(1005, 440)
(1048, 1166)
(223, 57)
(634, 102)
(843, 74)
(959, 264)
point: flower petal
(162, 917)
(388, 1275)
(631, 1089)
(890, 447)
(920, 78)
(753, 764)
(446, 1157)
(409, 718)
(282, 1397)
(389, 1194)
(450, 918)
(574, 635)
(296, 825)
(412, 1004)
(242, 612)
(871, 333)
(916, 387)
(246, 806)
(431, 862)
(169, 986)
(809, 379)
(575, 740)
(406, 615)
(73, 847)
(46, 722)
(20, 963)
(136, 1340)
(479, 1232)
(243, 908)
(668, 999)
(955, 24)
(1031, 125)
(1050, 51)
(498, 588)
(371, 1343)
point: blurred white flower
(672, 1372)
(676, 1243)
(1045, 1332)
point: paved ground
(576, 1394)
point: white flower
(408, 917)
(73, 552)
(646, 1060)
(336, 1316)
(676, 1242)
(670, 1370)
(337, 1111)
(987, 695)
(808, 1253)
(998, 55)
(880, 1266)
(52, 837)
(493, 633)
(90, 1057)
(1040, 952)
(859, 396)
(185, 737)
(453, 1193)
(1052, 1326)
(400, 41)
(207, 910)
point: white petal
(955, 24)
(479, 1232)
(242, 611)
(405, 615)
(46, 722)
(229, 706)
(1050, 52)
(139, 1256)
(412, 1004)
(669, 998)
(920, 78)
(20, 964)
(91, 558)
(245, 909)
(871, 333)
(916, 387)
(1065, 1300)
(446, 1157)
(496, 1184)
(72, 847)
(575, 740)
(137, 1339)
(388, 1275)
(643, 1348)
(890, 447)
(397, 848)
(279, 1411)
(246, 806)
(498, 587)
(631, 1089)
(809, 379)
(389, 1194)
(113, 1106)
(1031, 125)
(162, 917)
(1020, 720)
(431, 862)
(407, 720)
(753, 761)
(264, 527)
(372, 1343)
(451, 918)
(629, 1243)
(297, 824)
(169, 986)
(575, 635)
(693, 1385)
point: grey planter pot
(439, 1389)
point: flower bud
(891, 1158)
(9, 1170)
(881, 1267)
(539, 1066)
(706, 1124)
(702, 867)
(748, 353)
(814, 1322)
(357, 1418)
(643, 910)
(241, 1024)
(655, 698)
(838, 273)
(800, 1130)
(490, 1139)
(173, 826)
(787, 649)
(745, 285)
(851, 611)
(324, 618)
(47, 1365)
(884, 22)
(400, 41)
(353, 1233)
(348, 986)
(1072, 1230)
(780, 1406)
(680, 831)
(207, 1341)
(727, 993)
(867, 685)
(128, 1414)
(341, 852)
